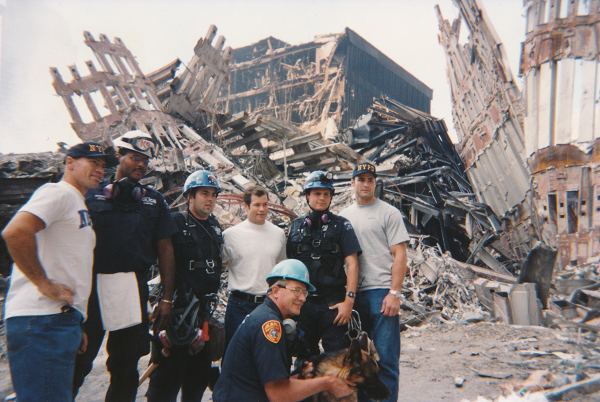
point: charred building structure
(488, 118)
(334, 77)
(532, 155)
(561, 75)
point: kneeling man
(257, 362)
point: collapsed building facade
(560, 69)
(531, 155)
(270, 112)
(333, 77)
(488, 119)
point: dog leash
(354, 325)
(355, 331)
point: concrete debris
(460, 269)
(302, 118)
(503, 228)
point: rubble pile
(458, 270)
(439, 289)
(20, 176)
(423, 176)
(270, 113)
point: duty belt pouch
(203, 276)
(215, 346)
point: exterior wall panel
(487, 109)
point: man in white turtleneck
(252, 248)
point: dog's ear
(354, 355)
(367, 345)
(363, 341)
(373, 351)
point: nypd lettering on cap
(95, 148)
(364, 167)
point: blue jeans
(41, 355)
(385, 333)
(237, 310)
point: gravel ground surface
(489, 357)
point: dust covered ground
(488, 356)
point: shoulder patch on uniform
(348, 226)
(272, 330)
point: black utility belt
(318, 245)
(258, 299)
(211, 266)
(332, 292)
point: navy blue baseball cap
(90, 150)
(364, 167)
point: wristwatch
(396, 293)
(351, 294)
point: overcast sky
(38, 34)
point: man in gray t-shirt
(381, 270)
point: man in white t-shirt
(252, 248)
(51, 242)
(381, 269)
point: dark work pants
(191, 373)
(237, 310)
(316, 321)
(124, 348)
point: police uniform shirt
(257, 355)
(197, 246)
(347, 240)
(127, 232)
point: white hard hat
(138, 141)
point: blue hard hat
(201, 178)
(292, 269)
(319, 179)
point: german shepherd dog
(358, 364)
